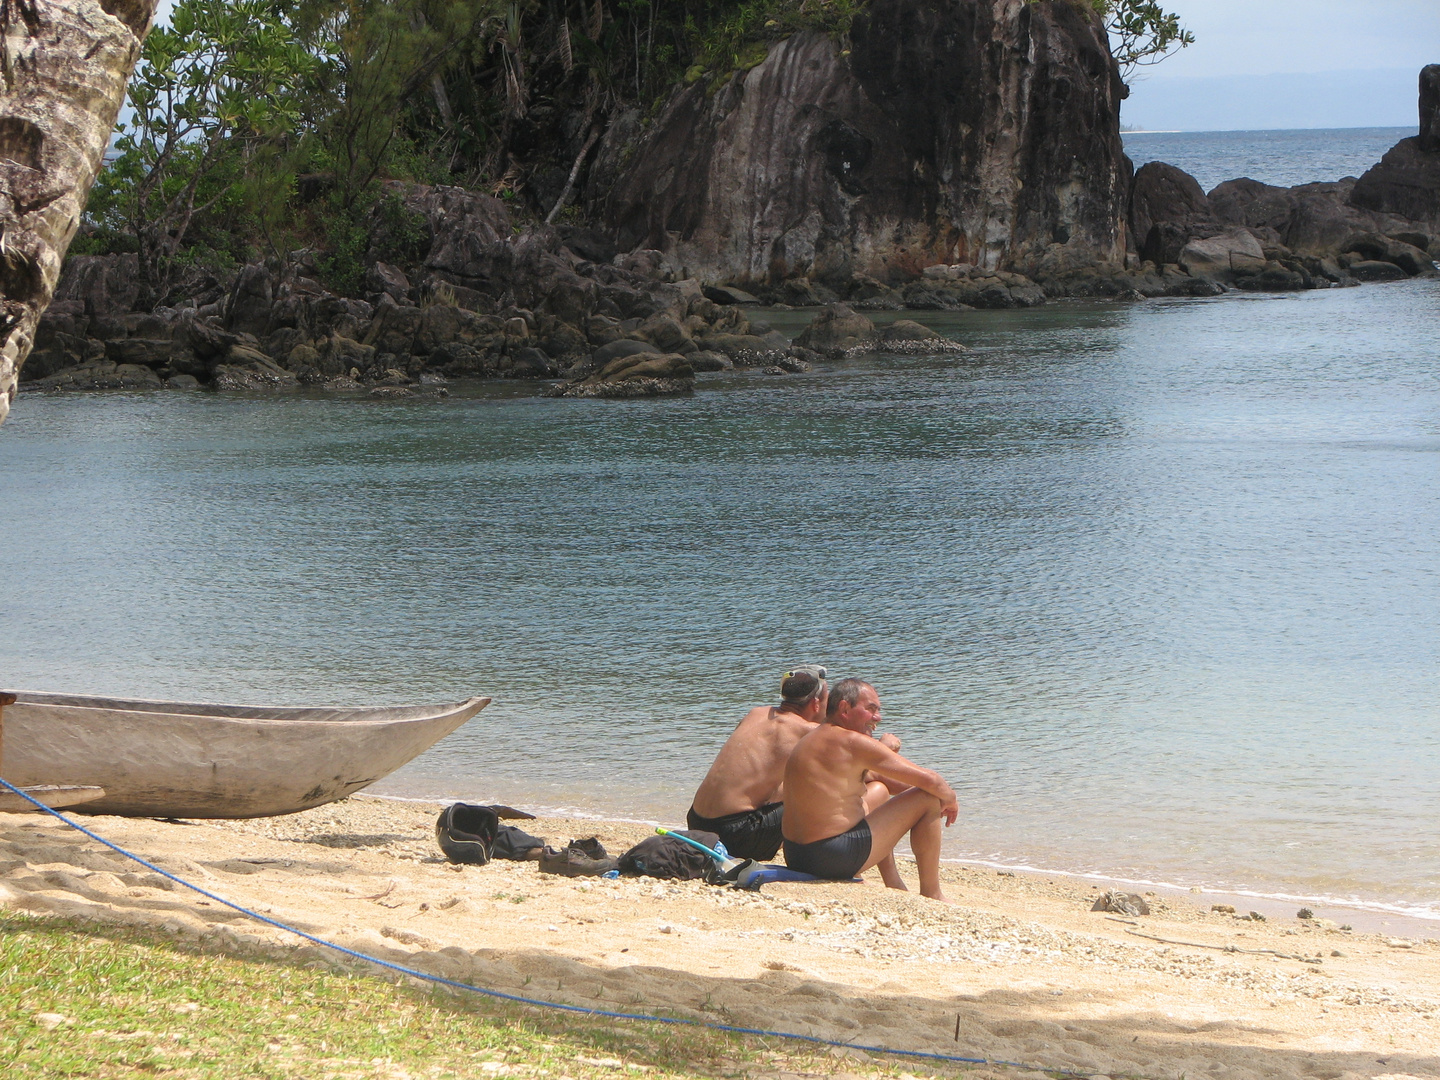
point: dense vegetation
(261, 126)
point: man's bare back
(742, 797)
(749, 771)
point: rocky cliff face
(942, 131)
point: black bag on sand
(516, 844)
(466, 833)
(666, 857)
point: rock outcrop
(1407, 180)
(983, 132)
(1163, 194)
(65, 66)
(484, 300)
(1248, 235)
(840, 331)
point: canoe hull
(174, 759)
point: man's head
(853, 704)
(803, 690)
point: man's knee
(930, 806)
(876, 795)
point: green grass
(140, 1003)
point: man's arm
(895, 787)
(880, 759)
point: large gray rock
(1405, 183)
(249, 369)
(384, 279)
(1375, 270)
(625, 347)
(247, 311)
(58, 351)
(982, 131)
(1229, 202)
(102, 284)
(1413, 260)
(837, 330)
(635, 375)
(1430, 108)
(910, 338)
(1222, 257)
(100, 375)
(393, 328)
(444, 324)
(150, 352)
(1163, 193)
(1313, 219)
(1407, 180)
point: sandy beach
(1019, 969)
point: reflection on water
(1154, 586)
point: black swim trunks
(836, 858)
(750, 834)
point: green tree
(385, 55)
(1141, 32)
(217, 100)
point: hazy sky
(1261, 37)
(1362, 58)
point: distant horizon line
(1231, 131)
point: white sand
(1030, 972)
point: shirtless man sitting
(741, 798)
(829, 830)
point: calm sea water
(1155, 586)
(1283, 158)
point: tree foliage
(238, 100)
(1141, 32)
(217, 100)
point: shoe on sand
(582, 858)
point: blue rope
(442, 981)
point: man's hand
(890, 742)
(949, 807)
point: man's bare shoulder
(835, 739)
(761, 714)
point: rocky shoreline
(491, 296)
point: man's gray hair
(846, 690)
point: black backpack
(666, 857)
(466, 833)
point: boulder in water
(837, 330)
(1221, 257)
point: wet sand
(1029, 972)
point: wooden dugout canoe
(189, 760)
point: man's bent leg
(918, 813)
(877, 794)
(925, 845)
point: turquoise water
(1154, 586)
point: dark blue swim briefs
(838, 858)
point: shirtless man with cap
(742, 797)
(830, 830)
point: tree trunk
(62, 81)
